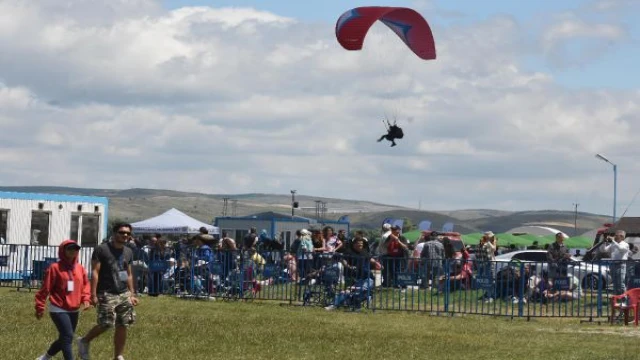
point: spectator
(332, 243)
(206, 238)
(159, 257)
(573, 292)
(112, 291)
(396, 252)
(228, 253)
(66, 285)
(619, 255)
(382, 248)
(342, 237)
(433, 256)
(558, 257)
(139, 265)
(168, 277)
(305, 253)
(250, 240)
(357, 264)
(485, 259)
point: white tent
(172, 222)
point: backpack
(396, 132)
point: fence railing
(514, 289)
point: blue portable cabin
(277, 225)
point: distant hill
(138, 204)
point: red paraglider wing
(409, 25)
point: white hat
(488, 233)
(386, 226)
(172, 260)
(305, 232)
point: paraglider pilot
(393, 132)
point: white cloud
(232, 100)
(447, 147)
(611, 5)
(577, 38)
(575, 28)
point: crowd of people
(126, 267)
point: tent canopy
(173, 221)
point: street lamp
(615, 182)
(293, 202)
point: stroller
(239, 283)
(321, 285)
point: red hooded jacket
(54, 284)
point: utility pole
(225, 206)
(575, 220)
(324, 211)
(234, 207)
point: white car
(588, 273)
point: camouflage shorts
(115, 309)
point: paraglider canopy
(408, 24)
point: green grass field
(170, 328)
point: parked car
(589, 274)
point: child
(67, 287)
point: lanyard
(120, 258)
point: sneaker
(44, 357)
(488, 300)
(120, 357)
(83, 348)
(330, 307)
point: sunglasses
(125, 233)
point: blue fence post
(446, 285)
(599, 295)
(521, 291)
(26, 279)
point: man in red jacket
(67, 287)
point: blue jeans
(66, 323)
(486, 270)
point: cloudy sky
(244, 96)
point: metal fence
(499, 288)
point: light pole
(293, 202)
(615, 182)
(575, 220)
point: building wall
(60, 208)
(284, 228)
(233, 225)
